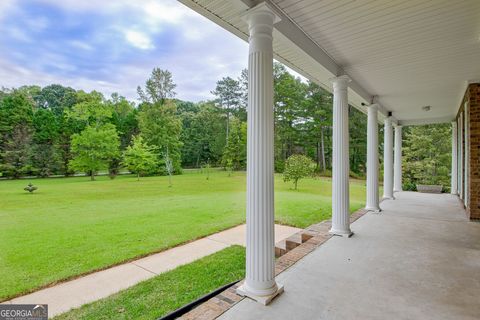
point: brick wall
(473, 97)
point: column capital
(399, 126)
(260, 20)
(388, 121)
(340, 82)
(261, 9)
(373, 106)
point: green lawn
(169, 291)
(71, 226)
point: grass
(72, 226)
(167, 292)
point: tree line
(56, 130)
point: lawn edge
(83, 274)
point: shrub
(297, 167)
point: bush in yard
(30, 188)
(140, 158)
(297, 167)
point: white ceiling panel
(406, 53)
(409, 53)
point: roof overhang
(306, 41)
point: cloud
(38, 23)
(112, 46)
(6, 8)
(139, 40)
(81, 45)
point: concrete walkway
(65, 296)
(418, 259)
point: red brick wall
(473, 97)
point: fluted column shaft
(260, 246)
(454, 177)
(388, 160)
(372, 159)
(397, 165)
(340, 159)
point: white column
(372, 159)
(466, 153)
(388, 160)
(460, 155)
(454, 177)
(260, 250)
(397, 165)
(340, 159)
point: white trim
(454, 169)
(420, 122)
(466, 152)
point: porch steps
(292, 242)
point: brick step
(280, 249)
(306, 236)
(291, 243)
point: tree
(68, 127)
(289, 101)
(125, 121)
(15, 109)
(202, 135)
(139, 157)
(91, 109)
(358, 141)
(427, 155)
(16, 113)
(298, 167)
(317, 121)
(46, 157)
(168, 166)
(56, 98)
(235, 153)
(243, 82)
(229, 94)
(17, 152)
(158, 121)
(161, 127)
(93, 148)
(158, 88)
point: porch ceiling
(406, 53)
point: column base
(388, 198)
(261, 299)
(345, 234)
(373, 210)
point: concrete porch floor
(418, 259)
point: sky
(113, 45)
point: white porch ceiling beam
(424, 121)
(291, 31)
